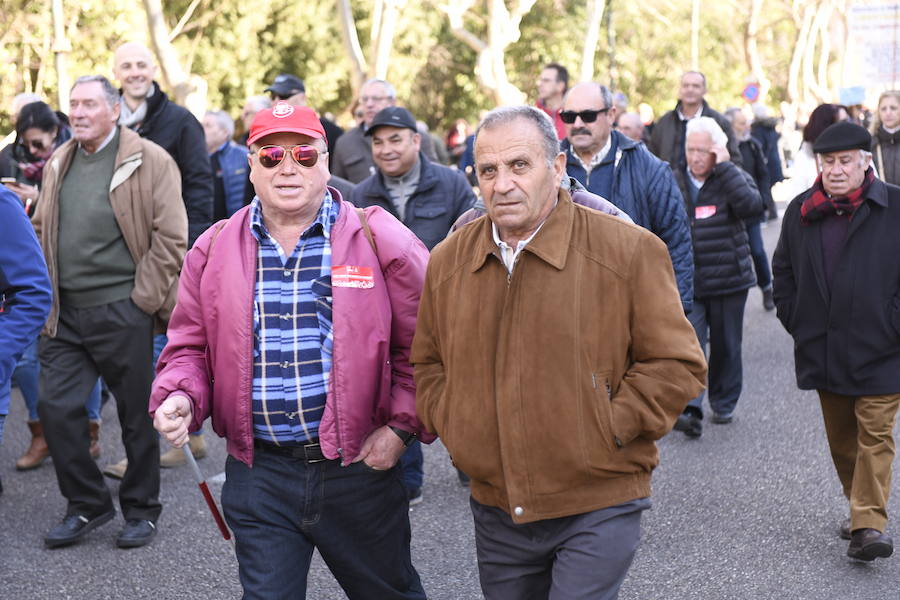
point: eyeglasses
(34, 145)
(305, 156)
(367, 99)
(588, 116)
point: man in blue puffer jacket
(24, 290)
(624, 172)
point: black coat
(754, 162)
(443, 194)
(667, 141)
(181, 135)
(722, 262)
(846, 338)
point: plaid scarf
(34, 170)
(819, 205)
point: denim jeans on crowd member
(719, 320)
(412, 466)
(4, 406)
(357, 518)
(758, 252)
(26, 376)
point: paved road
(749, 511)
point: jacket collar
(428, 178)
(704, 108)
(622, 143)
(551, 244)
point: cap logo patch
(282, 110)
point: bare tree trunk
(503, 30)
(61, 48)
(591, 38)
(359, 68)
(751, 50)
(794, 89)
(810, 84)
(187, 90)
(383, 44)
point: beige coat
(549, 387)
(145, 194)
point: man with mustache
(621, 170)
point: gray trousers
(569, 558)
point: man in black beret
(837, 292)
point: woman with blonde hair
(886, 137)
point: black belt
(310, 453)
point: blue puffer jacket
(643, 186)
(233, 162)
(24, 285)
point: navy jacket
(235, 170)
(846, 337)
(443, 194)
(24, 284)
(722, 262)
(643, 187)
(181, 135)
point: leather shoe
(845, 529)
(75, 527)
(721, 419)
(136, 533)
(690, 424)
(868, 544)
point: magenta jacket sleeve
(404, 277)
(183, 366)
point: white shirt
(509, 255)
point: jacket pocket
(597, 422)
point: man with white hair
(837, 292)
(549, 402)
(719, 196)
(631, 126)
(229, 164)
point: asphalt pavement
(749, 511)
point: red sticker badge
(352, 277)
(704, 212)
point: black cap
(394, 116)
(286, 86)
(841, 136)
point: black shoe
(414, 495)
(720, 419)
(868, 544)
(845, 529)
(136, 533)
(690, 424)
(768, 298)
(75, 527)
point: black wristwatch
(405, 436)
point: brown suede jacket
(549, 386)
(145, 193)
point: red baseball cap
(284, 117)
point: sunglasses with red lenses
(305, 156)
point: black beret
(841, 136)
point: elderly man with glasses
(293, 330)
(624, 172)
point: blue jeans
(760, 258)
(4, 406)
(412, 466)
(26, 376)
(358, 519)
(720, 321)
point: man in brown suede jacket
(113, 229)
(551, 350)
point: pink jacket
(209, 354)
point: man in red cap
(837, 292)
(292, 330)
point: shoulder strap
(365, 224)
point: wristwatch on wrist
(406, 437)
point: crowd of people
(333, 298)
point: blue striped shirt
(292, 330)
